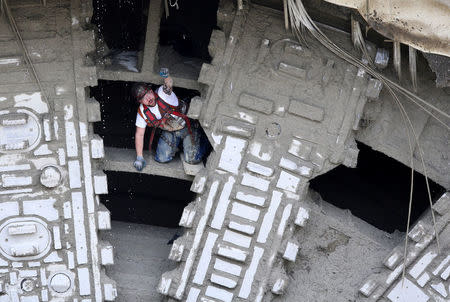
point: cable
(302, 20)
(358, 40)
(25, 51)
(299, 15)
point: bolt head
(27, 285)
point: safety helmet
(138, 90)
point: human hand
(139, 163)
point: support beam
(117, 159)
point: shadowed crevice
(377, 190)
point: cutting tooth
(398, 59)
(413, 67)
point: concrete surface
(331, 261)
(425, 260)
(117, 159)
(179, 66)
(384, 131)
(140, 257)
(424, 26)
(334, 258)
(277, 114)
(441, 67)
(49, 217)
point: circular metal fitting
(27, 285)
(60, 283)
(50, 177)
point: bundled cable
(358, 40)
(300, 20)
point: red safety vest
(165, 110)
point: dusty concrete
(277, 114)
(179, 66)
(49, 217)
(266, 101)
(140, 257)
(385, 130)
(426, 264)
(337, 251)
(424, 24)
(441, 67)
(331, 263)
(117, 159)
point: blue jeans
(193, 149)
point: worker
(162, 109)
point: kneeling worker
(163, 110)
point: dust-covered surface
(422, 24)
(278, 114)
(179, 65)
(140, 257)
(337, 253)
(441, 67)
(49, 156)
(273, 106)
(386, 131)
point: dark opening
(146, 199)
(137, 197)
(122, 27)
(184, 36)
(119, 110)
(377, 190)
(121, 23)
